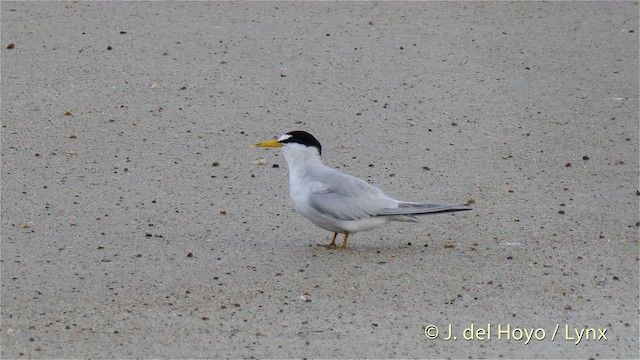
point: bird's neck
(301, 161)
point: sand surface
(135, 222)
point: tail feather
(409, 208)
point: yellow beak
(269, 143)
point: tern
(335, 201)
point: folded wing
(409, 208)
(344, 197)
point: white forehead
(284, 137)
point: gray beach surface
(137, 221)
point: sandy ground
(135, 222)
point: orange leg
(344, 241)
(331, 245)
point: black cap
(304, 138)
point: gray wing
(345, 197)
(410, 208)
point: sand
(135, 223)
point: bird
(338, 202)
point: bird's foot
(332, 244)
(329, 246)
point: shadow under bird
(339, 202)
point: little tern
(339, 202)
